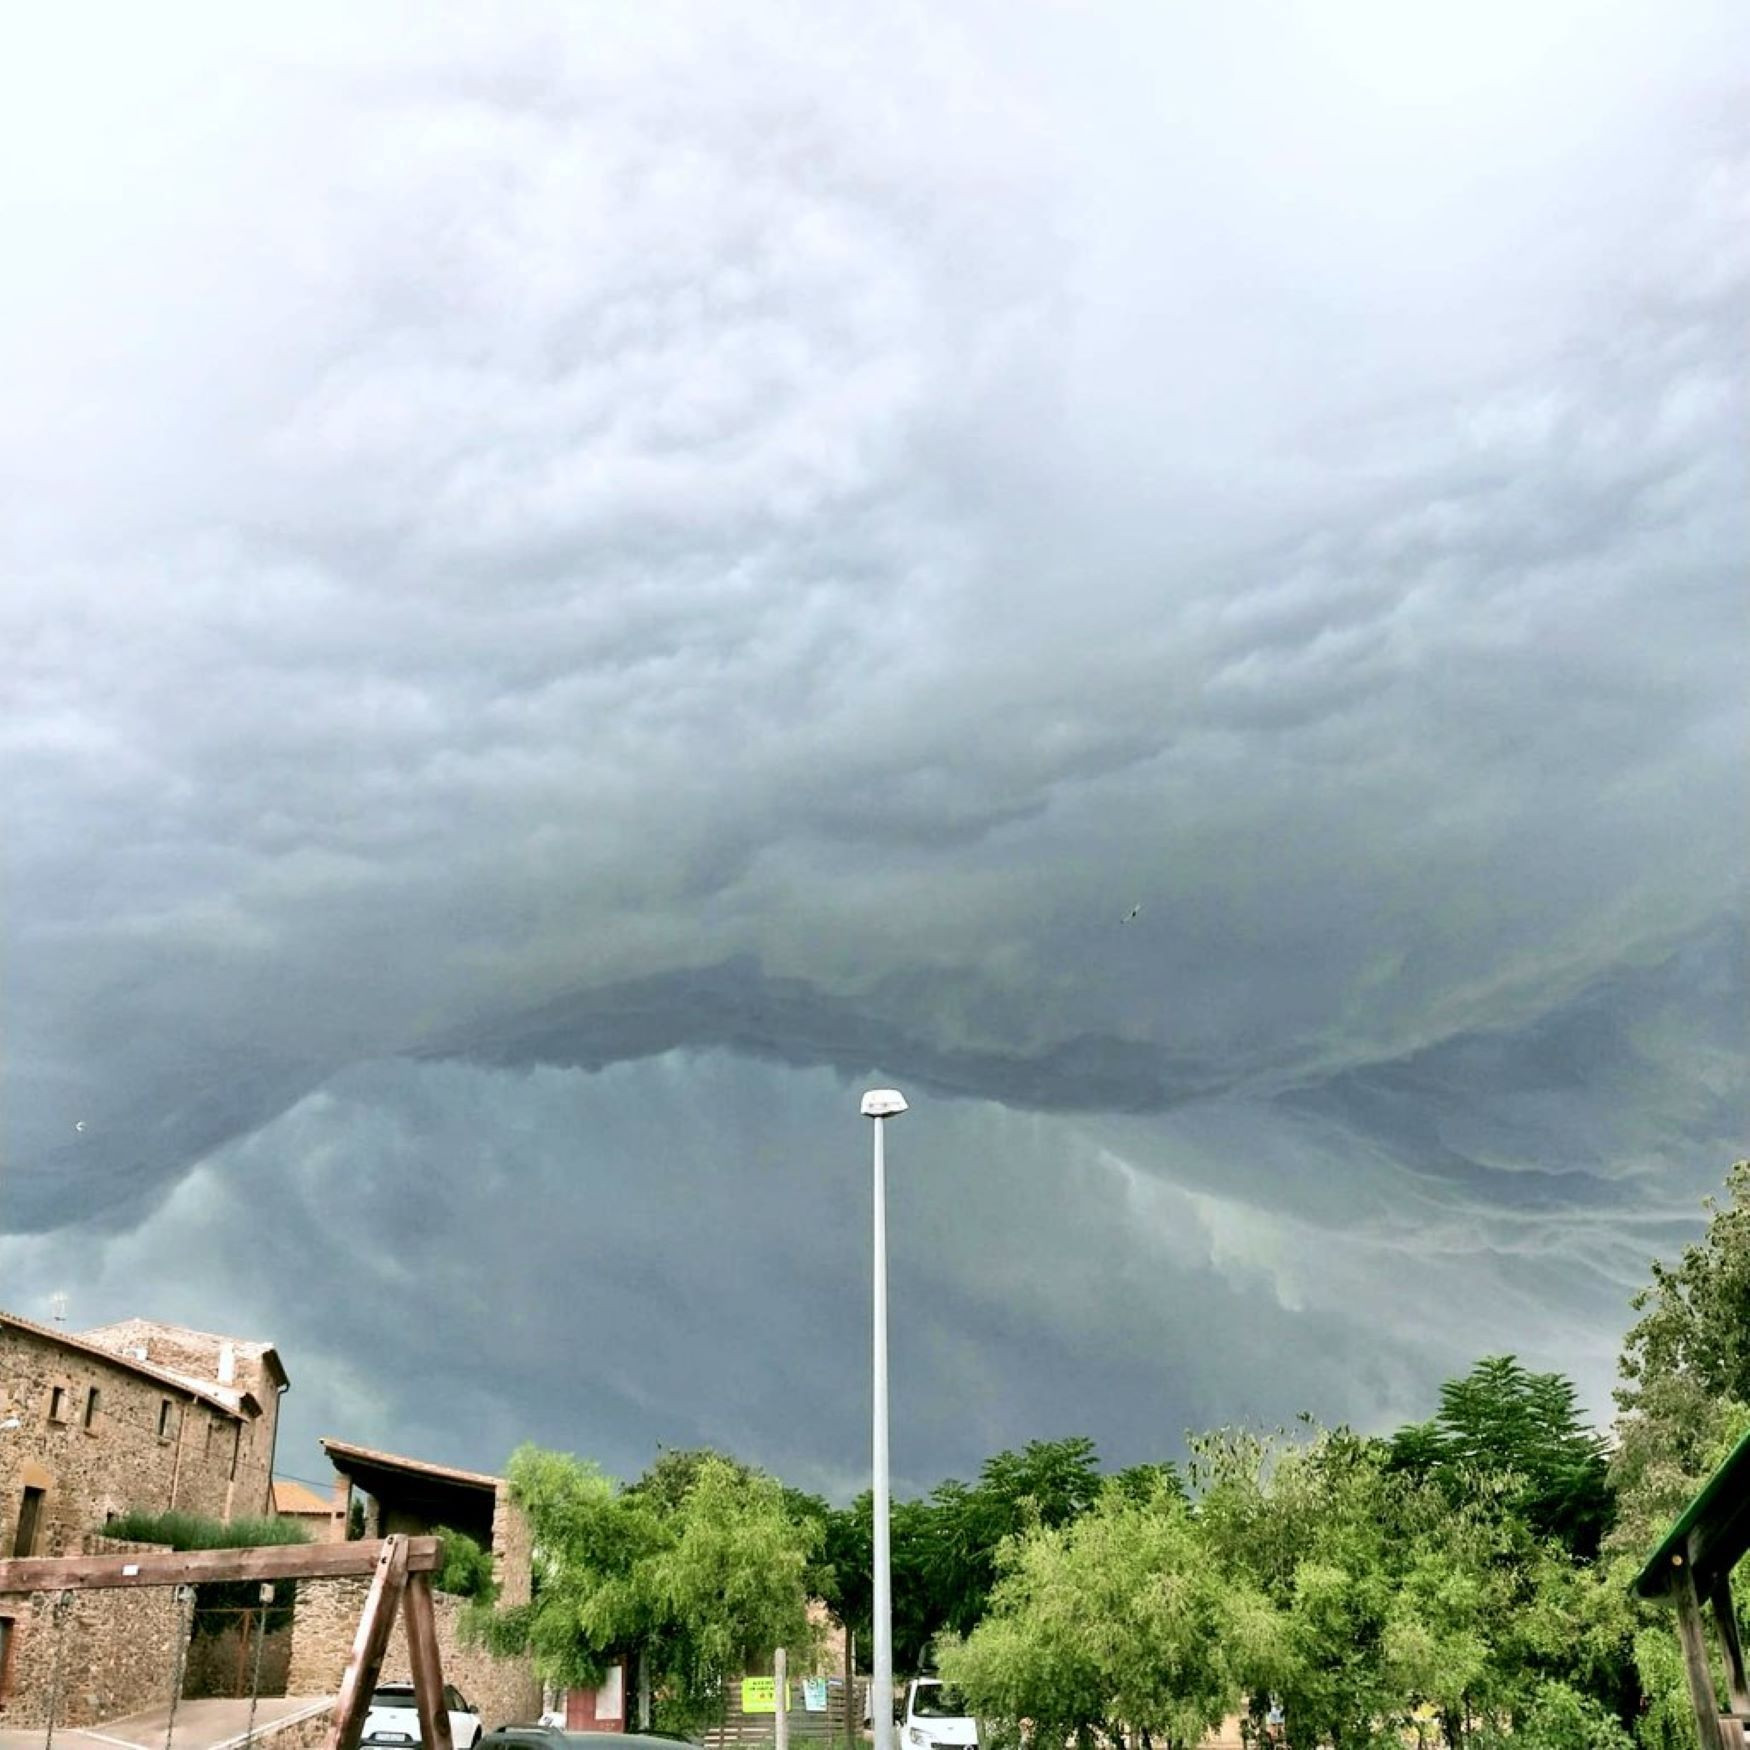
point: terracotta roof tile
(290, 1496)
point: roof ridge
(208, 1392)
(400, 1461)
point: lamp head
(883, 1103)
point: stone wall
(502, 1691)
(114, 1653)
(303, 1732)
(92, 1461)
(513, 1547)
(235, 1365)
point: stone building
(131, 1417)
(323, 1517)
(128, 1417)
(413, 1496)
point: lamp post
(881, 1104)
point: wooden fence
(821, 1726)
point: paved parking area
(200, 1725)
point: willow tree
(688, 1584)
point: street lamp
(882, 1104)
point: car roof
(626, 1740)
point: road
(200, 1725)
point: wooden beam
(1695, 1665)
(194, 1567)
(1726, 1623)
(428, 1670)
(375, 1622)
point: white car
(394, 1717)
(936, 1718)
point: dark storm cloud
(562, 572)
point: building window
(91, 1409)
(30, 1509)
(58, 1404)
(8, 1640)
(164, 1408)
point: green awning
(1711, 1533)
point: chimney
(227, 1364)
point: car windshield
(393, 1696)
(936, 1701)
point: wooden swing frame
(1692, 1569)
(400, 1570)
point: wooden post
(1695, 1663)
(781, 1700)
(375, 1622)
(428, 1673)
(852, 1723)
(1726, 1622)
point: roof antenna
(58, 1306)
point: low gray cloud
(563, 573)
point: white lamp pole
(882, 1104)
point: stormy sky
(580, 583)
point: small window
(58, 1404)
(91, 1409)
(8, 1640)
(164, 1408)
(30, 1509)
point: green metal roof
(1711, 1533)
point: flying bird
(79, 1124)
(1133, 914)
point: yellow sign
(759, 1695)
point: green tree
(1105, 1626)
(944, 1546)
(1502, 1421)
(467, 1566)
(1685, 1370)
(1683, 1401)
(916, 1564)
(1560, 1718)
(1048, 1484)
(1695, 1314)
(1310, 1535)
(691, 1573)
(1371, 1600)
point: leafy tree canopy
(1685, 1368)
(1502, 1421)
(693, 1572)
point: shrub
(194, 1531)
